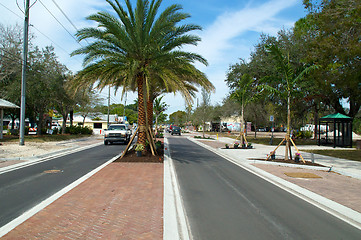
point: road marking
(29, 163)
(344, 213)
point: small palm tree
(290, 80)
(127, 48)
(158, 108)
(244, 94)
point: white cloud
(217, 37)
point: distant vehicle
(311, 128)
(262, 130)
(117, 133)
(176, 130)
(55, 125)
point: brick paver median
(122, 201)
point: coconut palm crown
(127, 48)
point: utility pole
(23, 75)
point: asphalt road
(224, 201)
(22, 189)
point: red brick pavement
(122, 201)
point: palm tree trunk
(150, 111)
(141, 112)
(288, 126)
(242, 124)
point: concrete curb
(47, 157)
(344, 213)
(175, 224)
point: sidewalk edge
(175, 224)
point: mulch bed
(147, 157)
(308, 163)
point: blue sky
(231, 28)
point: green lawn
(354, 155)
(43, 138)
(266, 141)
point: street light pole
(23, 75)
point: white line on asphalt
(29, 163)
(25, 216)
(344, 213)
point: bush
(304, 134)
(356, 125)
(78, 130)
(14, 132)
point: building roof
(336, 116)
(7, 104)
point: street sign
(271, 118)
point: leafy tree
(44, 83)
(10, 67)
(88, 100)
(202, 113)
(331, 33)
(178, 118)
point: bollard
(217, 136)
(312, 158)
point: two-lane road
(225, 201)
(22, 189)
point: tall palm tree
(127, 46)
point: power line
(65, 15)
(67, 18)
(60, 23)
(52, 41)
(10, 10)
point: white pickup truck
(117, 133)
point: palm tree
(289, 81)
(126, 48)
(244, 93)
(158, 108)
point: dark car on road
(176, 130)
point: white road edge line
(29, 163)
(25, 216)
(175, 222)
(344, 213)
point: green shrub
(78, 130)
(304, 134)
(356, 125)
